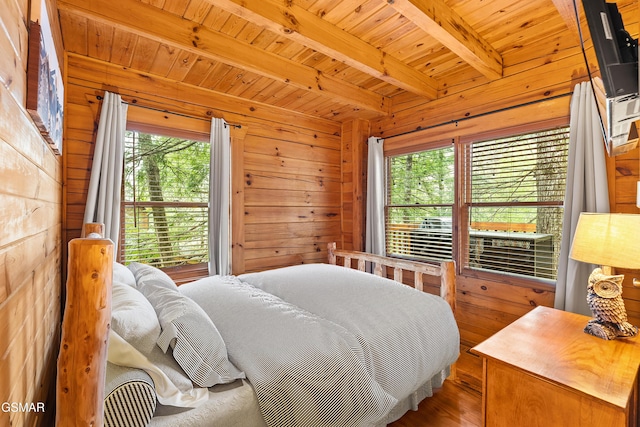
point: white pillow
(197, 345)
(133, 317)
(123, 275)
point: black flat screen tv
(617, 55)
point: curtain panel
(220, 199)
(586, 191)
(105, 183)
(374, 223)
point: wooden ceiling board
(124, 44)
(395, 28)
(99, 40)
(216, 74)
(219, 46)
(166, 57)
(74, 32)
(255, 88)
(199, 71)
(384, 17)
(197, 10)
(361, 12)
(183, 63)
(216, 19)
(144, 54)
(177, 7)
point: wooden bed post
(331, 249)
(447, 283)
(85, 331)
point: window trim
(432, 145)
(180, 273)
(460, 139)
(463, 214)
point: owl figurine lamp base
(604, 295)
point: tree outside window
(165, 200)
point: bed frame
(445, 270)
(87, 316)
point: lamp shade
(607, 239)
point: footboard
(445, 270)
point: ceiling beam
(296, 23)
(153, 23)
(443, 24)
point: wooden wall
(286, 199)
(30, 238)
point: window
(514, 193)
(509, 215)
(420, 204)
(165, 200)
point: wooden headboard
(87, 316)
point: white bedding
(407, 336)
(321, 345)
(229, 405)
(306, 370)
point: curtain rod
(476, 116)
(235, 125)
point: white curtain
(586, 191)
(374, 233)
(103, 199)
(219, 199)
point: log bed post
(85, 328)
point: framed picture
(45, 91)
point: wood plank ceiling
(331, 59)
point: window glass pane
(422, 178)
(420, 200)
(522, 168)
(166, 187)
(517, 187)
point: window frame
(461, 138)
(430, 146)
(464, 208)
(170, 124)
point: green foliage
(183, 165)
(419, 184)
(166, 188)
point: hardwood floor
(453, 405)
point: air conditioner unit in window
(529, 254)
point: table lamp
(609, 240)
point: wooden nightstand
(543, 370)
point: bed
(308, 345)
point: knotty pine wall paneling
(286, 202)
(30, 238)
